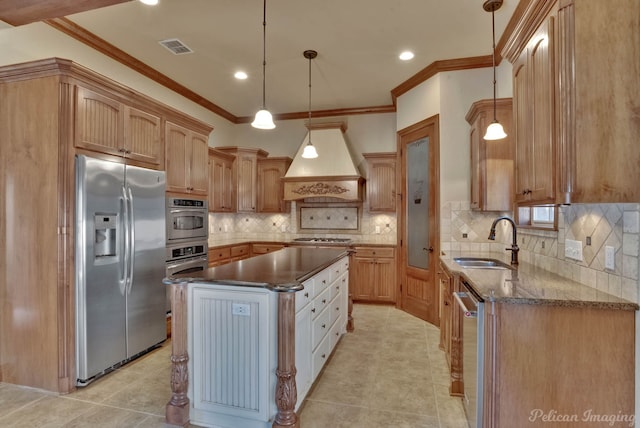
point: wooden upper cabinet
(381, 181)
(99, 123)
(221, 184)
(576, 101)
(270, 185)
(491, 161)
(106, 125)
(143, 136)
(186, 160)
(534, 109)
(245, 175)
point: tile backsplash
(375, 228)
(615, 225)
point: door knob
(430, 249)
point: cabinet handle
(324, 281)
(324, 300)
(306, 294)
(324, 326)
(324, 355)
(121, 150)
(337, 334)
(313, 310)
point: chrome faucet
(514, 243)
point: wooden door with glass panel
(419, 240)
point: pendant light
(494, 130)
(309, 151)
(263, 119)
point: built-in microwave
(187, 219)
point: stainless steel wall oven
(187, 219)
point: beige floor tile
(388, 373)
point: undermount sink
(481, 263)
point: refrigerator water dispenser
(105, 234)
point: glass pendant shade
(495, 131)
(263, 120)
(309, 151)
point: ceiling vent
(176, 46)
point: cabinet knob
(313, 310)
(324, 355)
(324, 300)
(306, 294)
(324, 326)
(324, 281)
(337, 308)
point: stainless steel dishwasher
(472, 307)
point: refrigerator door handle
(125, 231)
(132, 240)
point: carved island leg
(177, 409)
(350, 324)
(286, 392)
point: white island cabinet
(245, 336)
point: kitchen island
(254, 335)
(548, 347)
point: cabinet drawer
(335, 270)
(303, 297)
(335, 334)
(334, 308)
(216, 254)
(375, 252)
(266, 248)
(320, 356)
(320, 302)
(320, 327)
(321, 281)
(340, 284)
(240, 250)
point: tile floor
(388, 373)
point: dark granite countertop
(282, 270)
(528, 284)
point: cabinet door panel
(541, 68)
(385, 270)
(363, 279)
(143, 140)
(521, 125)
(99, 123)
(246, 176)
(198, 180)
(177, 163)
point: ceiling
(358, 42)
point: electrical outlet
(283, 228)
(573, 249)
(609, 257)
(378, 229)
(242, 309)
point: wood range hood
(332, 174)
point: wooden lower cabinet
(373, 274)
(541, 359)
(230, 253)
(446, 304)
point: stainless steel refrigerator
(120, 264)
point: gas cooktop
(324, 240)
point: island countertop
(282, 270)
(529, 284)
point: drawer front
(216, 254)
(320, 327)
(240, 251)
(320, 356)
(266, 248)
(321, 301)
(335, 307)
(321, 281)
(303, 297)
(341, 283)
(335, 270)
(334, 334)
(375, 252)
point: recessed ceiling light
(240, 75)
(149, 2)
(406, 55)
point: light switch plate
(609, 257)
(573, 249)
